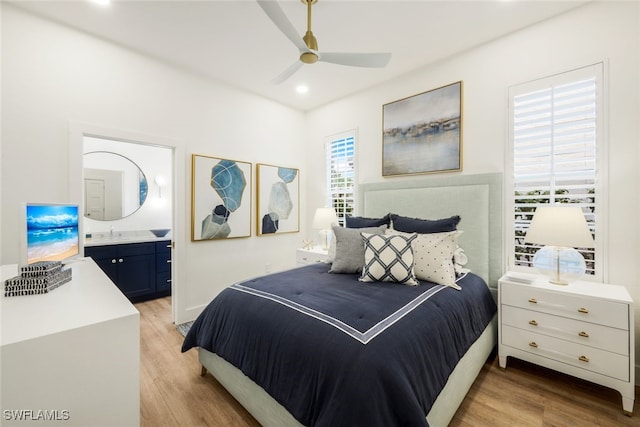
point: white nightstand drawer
(310, 256)
(588, 358)
(592, 310)
(591, 334)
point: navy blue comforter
(338, 352)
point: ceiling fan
(308, 45)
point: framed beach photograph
(220, 198)
(423, 133)
(278, 209)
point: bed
(370, 358)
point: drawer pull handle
(533, 323)
(113, 261)
(583, 359)
(583, 334)
(533, 344)
(583, 310)
(533, 300)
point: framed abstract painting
(423, 133)
(278, 209)
(220, 198)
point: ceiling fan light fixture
(308, 45)
(308, 57)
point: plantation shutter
(341, 174)
(555, 133)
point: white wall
(597, 32)
(53, 76)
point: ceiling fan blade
(275, 13)
(369, 60)
(287, 73)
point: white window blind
(341, 174)
(555, 124)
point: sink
(161, 232)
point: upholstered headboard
(476, 198)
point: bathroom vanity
(140, 267)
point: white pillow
(433, 257)
(388, 259)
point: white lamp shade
(560, 225)
(324, 218)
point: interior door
(113, 182)
(94, 198)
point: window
(556, 133)
(341, 174)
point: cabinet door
(105, 257)
(109, 266)
(137, 275)
(163, 283)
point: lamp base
(561, 264)
(324, 237)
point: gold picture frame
(423, 133)
(220, 198)
(278, 196)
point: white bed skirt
(270, 413)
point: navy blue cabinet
(163, 268)
(142, 271)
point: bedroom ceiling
(234, 42)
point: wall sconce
(160, 181)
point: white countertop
(89, 298)
(117, 238)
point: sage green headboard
(476, 198)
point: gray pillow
(350, 248)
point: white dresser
(582, 329)
(70, 357)
(311, 256)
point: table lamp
(561, 228)
(323, 220)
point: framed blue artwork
(220, 198)
(278, 196)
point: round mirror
(114, 186)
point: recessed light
(101, 2)
(302, 89)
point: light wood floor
(174, 394)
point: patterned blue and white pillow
(388, 259)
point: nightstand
(312, 255)
(582, 329)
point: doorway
(125, 183)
